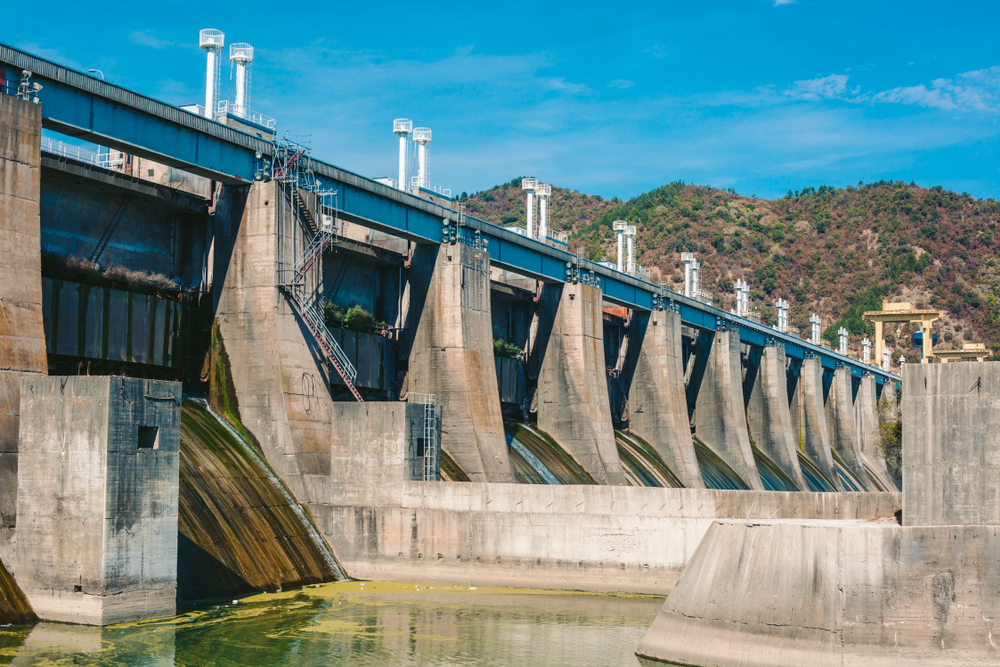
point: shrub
(502, 348)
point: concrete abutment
(769, 416)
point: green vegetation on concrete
(502, 348)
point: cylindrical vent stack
(241, 55)
(530, 185)
(630, 233)
(688, 259)
(422, 137)
(620, 226)
(212, 41)
(543, 206)
(402, 127)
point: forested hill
(833, 251)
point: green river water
(350, 623)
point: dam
(235, 368)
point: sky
(612, 99)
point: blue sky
(608, 98)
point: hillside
(832, 251)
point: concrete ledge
(606, 539)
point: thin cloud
(624, 84)
(778, 3)
(145, 38)
(824, 88)
(978, 90)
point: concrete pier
(97, 507)
(452, 356)
(719, 416)
(22, 337)
(573, 404)
(841, 426)
(769, 416)
(658, 408)
(852, 593)
(815, 433)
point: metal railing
(110, 160)
(225, 108)
(319, 244)
(317, 325)
(415, 184)
(432, 449)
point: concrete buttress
(814, 427)
(866, 424)
(769, 416)
(22, 336)
(840, 422)
(452, 356)
(573, 404)
(658, 406)
(719, 415)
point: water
(382, 624)
(714, 471)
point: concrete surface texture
(98, 479)
(815, 431)
(719, 414)
(452, 356)
(826, 593)
(951, 452)
(22, 336)
(573, 403)
(841, 427)
(657, 404)
(769, 417)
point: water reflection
(360, 624)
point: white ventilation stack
(782, 306)
(402, 127)
(529, 185)
(746, 298)
(620, 226)
(902, 360)
(742, 301)
(241, 55)
(212, 41)
(695, 282)
(422, 137)
(843, 333)
(886, 359)
(630, 236)
(543, 207)
(688, 259)
(866, 346)
(815, 333)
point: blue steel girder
(86, 107)
(83, 106)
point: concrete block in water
(98, 479)
(719, 414)
(769, 417)
(658, 406)
(833, 593)
(573, 404)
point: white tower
(742, 297)
(695, 281)
(886, 359)
(843, 333)
(814, 331)
(241, 55)
(902, 360)
(688, 259)
(422, 137)
(620, 226)
(738, 286)
(543, 211)
(630, 235)
(746, 298)
(404, 128)
(782, 306)
(212, 41)
(530, 185)
(866, 347)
